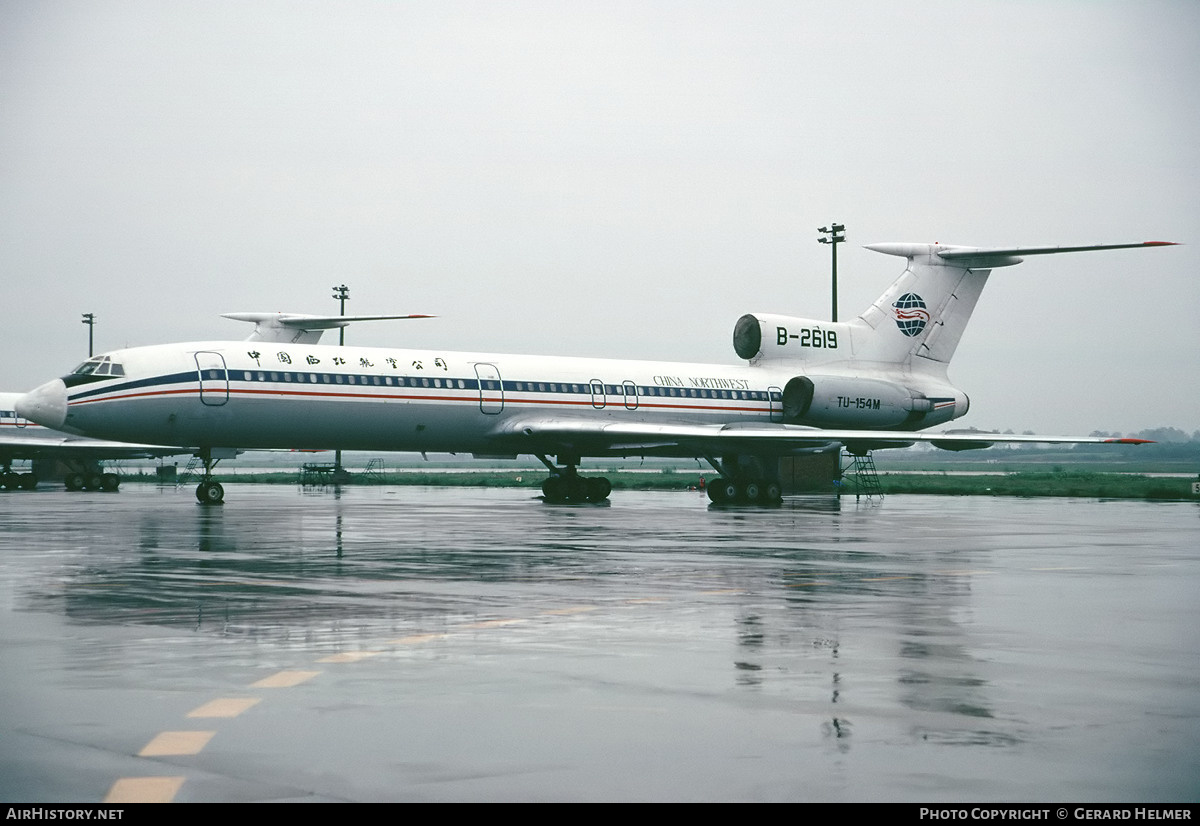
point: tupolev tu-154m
(877, 381)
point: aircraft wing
(590, 437)
(52, 444)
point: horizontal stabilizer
(298, 328)
(992, 257)
(988, 258)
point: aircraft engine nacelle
(762, 336)
(835, 401)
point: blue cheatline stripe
(613, 392)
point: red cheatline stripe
(472, 399)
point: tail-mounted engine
(758, 336)
(837, 401)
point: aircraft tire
(751, 492)
(772, 493)
(28, 481)
(575, 489)
(722, 491)
(598, 488)
(554, 489)
(210, 493)
(74, 481)
(109, 481)
(10, 480)
(92, 481)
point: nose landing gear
(209, 491)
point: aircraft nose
(46, 405)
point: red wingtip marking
(1129, 441)
(1160, 243)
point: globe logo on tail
(910, 314)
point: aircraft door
(598, 397)
(16, 421)
(491, 388)
(213, 377)
(776, 396)
(631, 397)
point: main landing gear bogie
(562, 487)
(725, 491)
(91, 480)
(12, 480)
(564, 484)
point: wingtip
(1129, 441)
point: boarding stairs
(862, 474)
(194, 469)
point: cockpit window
(99, 366)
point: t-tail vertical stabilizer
(921, 318)
(915, 326)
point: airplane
(804, 385)
(23, 439)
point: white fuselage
(254, 394)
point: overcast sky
(609, 178)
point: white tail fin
(916, 324)
(922, 316)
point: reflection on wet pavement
(482, 645)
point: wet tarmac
(459, 644)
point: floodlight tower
(90, 320)
(833, 235)
(341, 295)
